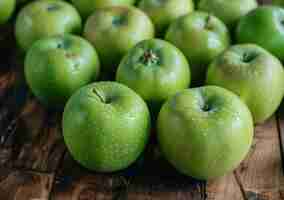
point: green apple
(205, 132)
(156, 70)
(87, 7)
(106, 126)
(7, 8)
(45, 18)
(115, 30)
(55, 67)
(252, 73)
(265, 27)
(163, 13)
(228, 11)
(201, 37)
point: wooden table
(34, 163)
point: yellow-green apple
(87, 7)
(201, 37)
(55, 67)
(114, 31)
(205, 132)
(264, 26)
(156, 70)
(44, 18)
(7, 8)
(106, 126)
(163, 13)
(228, 11)
(252, 73)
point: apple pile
(120, 68)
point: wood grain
(224, 188)
(7, 80)
(39, 139)
(24, 185)
(12, 95)
(30, 135)
(280, 120)
(74, 182)
(149, 178)
(260, 175)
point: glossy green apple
(87, 7)
(252, 73)
(228, 11)
(106, 126)
(156, 70)
(55, 67)
(45, 18)
(205, 132)
(163, 13)
(7, 8)
(265, 27)
(115, 30)
(201, 37)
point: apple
(106, 126)
(252, 73)
(114, 31)
(7, 8)
(163, 13)
(228, 11)
(87, 7)
(264, 26)
(205, 132)
(55, 67)
(156, 70)
(201, 37)
(44, 18)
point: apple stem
(248, 57)
(101, 97)
(52, 7)
(149, 57)
(119, 20)
(206, 108)
(207, 22)
(64, 43)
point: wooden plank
(224, 188)
(35, 142)
(6, 83)
(158, 187)
(30, 135)
(149, 178)
(12, 98)
(74, 182)
(38, 142)
(9, 77)
(260, 175)
(7, 80)
(158, 180)
(24, 185)
(280, 120)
